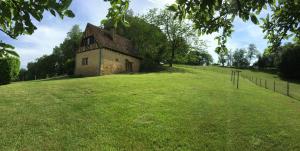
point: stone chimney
(113, 33)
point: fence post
(238, 79)
(266, 84)
(288, 89)
(274, 86)
(233, 77)
(259, 82)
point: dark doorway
(128, 65)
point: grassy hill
(262, 79)
(184, 109)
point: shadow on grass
(276, 74)
(167, 69)
(66, 77)
(162, 69)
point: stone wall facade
(103, 62)
(113, 62)
(93, 66)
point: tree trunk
(172, 59)
(173, 55)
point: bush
(9, 69)
(290, 63)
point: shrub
(9, 69)
(290, 63)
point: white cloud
(251, 29)
(211, 44)
(42, 42)
(92, 11)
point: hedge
(9, 69)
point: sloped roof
(116, 43)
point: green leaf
(69, 13)
(52, 12)
(173, 7)
(254, 19)
(11, 52)
(6, 46)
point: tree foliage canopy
(211, 16)
(60, 62)
(117, 12)
(147, 38)
(218, 15)
(9, 69)
(179, 33)
(240, 59)
(17, 15)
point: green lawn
(187, 109)
(262, 79)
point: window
(88, 41)
(85, 61)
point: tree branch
(11, 36)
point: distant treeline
(60, 62)
(284, 60)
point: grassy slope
(192, 110)
(281, 85)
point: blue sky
(52, 30)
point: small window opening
(85, 61)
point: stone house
(103, 52)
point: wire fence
(284, 87)
(287, 88)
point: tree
(23, 75)
(283, 23)
(147, 38)
(240, 59)
(16, 16)
(290, 65)
(117, 13)
(17, 19)
(222, 59)
(66, 51)
(176, 31)
(222, 52)
(229, 57)
(199, 58)
(9, 65)
(211, 16)
(60, 62)
(44, 67)
(7, 51)
(252, 52)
